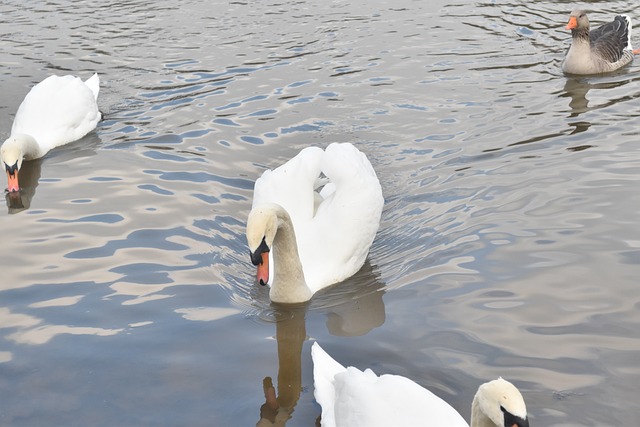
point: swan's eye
(256, 257)
(511, 420)
(11, 169)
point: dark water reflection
(508, 245)
(28, 177)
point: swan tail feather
(93, 83)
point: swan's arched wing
(335, 243)
(291, 185)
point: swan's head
(502, 403)
(578, 19)
(262, 225)
(12, 156)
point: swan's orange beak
(12, 179)
(263, 269)
(573, 23)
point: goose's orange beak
(573, 23)
(263, 269)
(12, 180)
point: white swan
(315, 217)
(352, 398)
(56, 111)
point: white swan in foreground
(315, 217)
(601, 50)
(56, 111)
(352, 398)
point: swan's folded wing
(56, 111)
(291, 185)
(365, 400)
(345, 222)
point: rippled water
(509, 242)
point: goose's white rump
(350, 397)
(317, 215)
(56, 111)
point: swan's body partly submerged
(315, 217)
(352, 398)
(56, 111)
(601, 50)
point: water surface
(509, 243)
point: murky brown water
(509, 243)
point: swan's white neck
(24, 145)
(479, 418)
(288, 285)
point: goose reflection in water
(577, 90)
(353, 308)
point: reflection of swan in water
(17, 201)
(351, 310)
(290, 335)
(355, 309)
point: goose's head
(12, 156)
(501, 402)
(262, 225)
(578, 20)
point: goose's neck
(580, 39)
(579, 54)
(479, 418)
(289, 285)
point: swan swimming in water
(56, 111)
(313, 221)
(350, 397)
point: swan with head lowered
(56, 111)
(313, 220)
(350, 397)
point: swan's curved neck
(27, 145)
(479, 418)
(289, 285)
